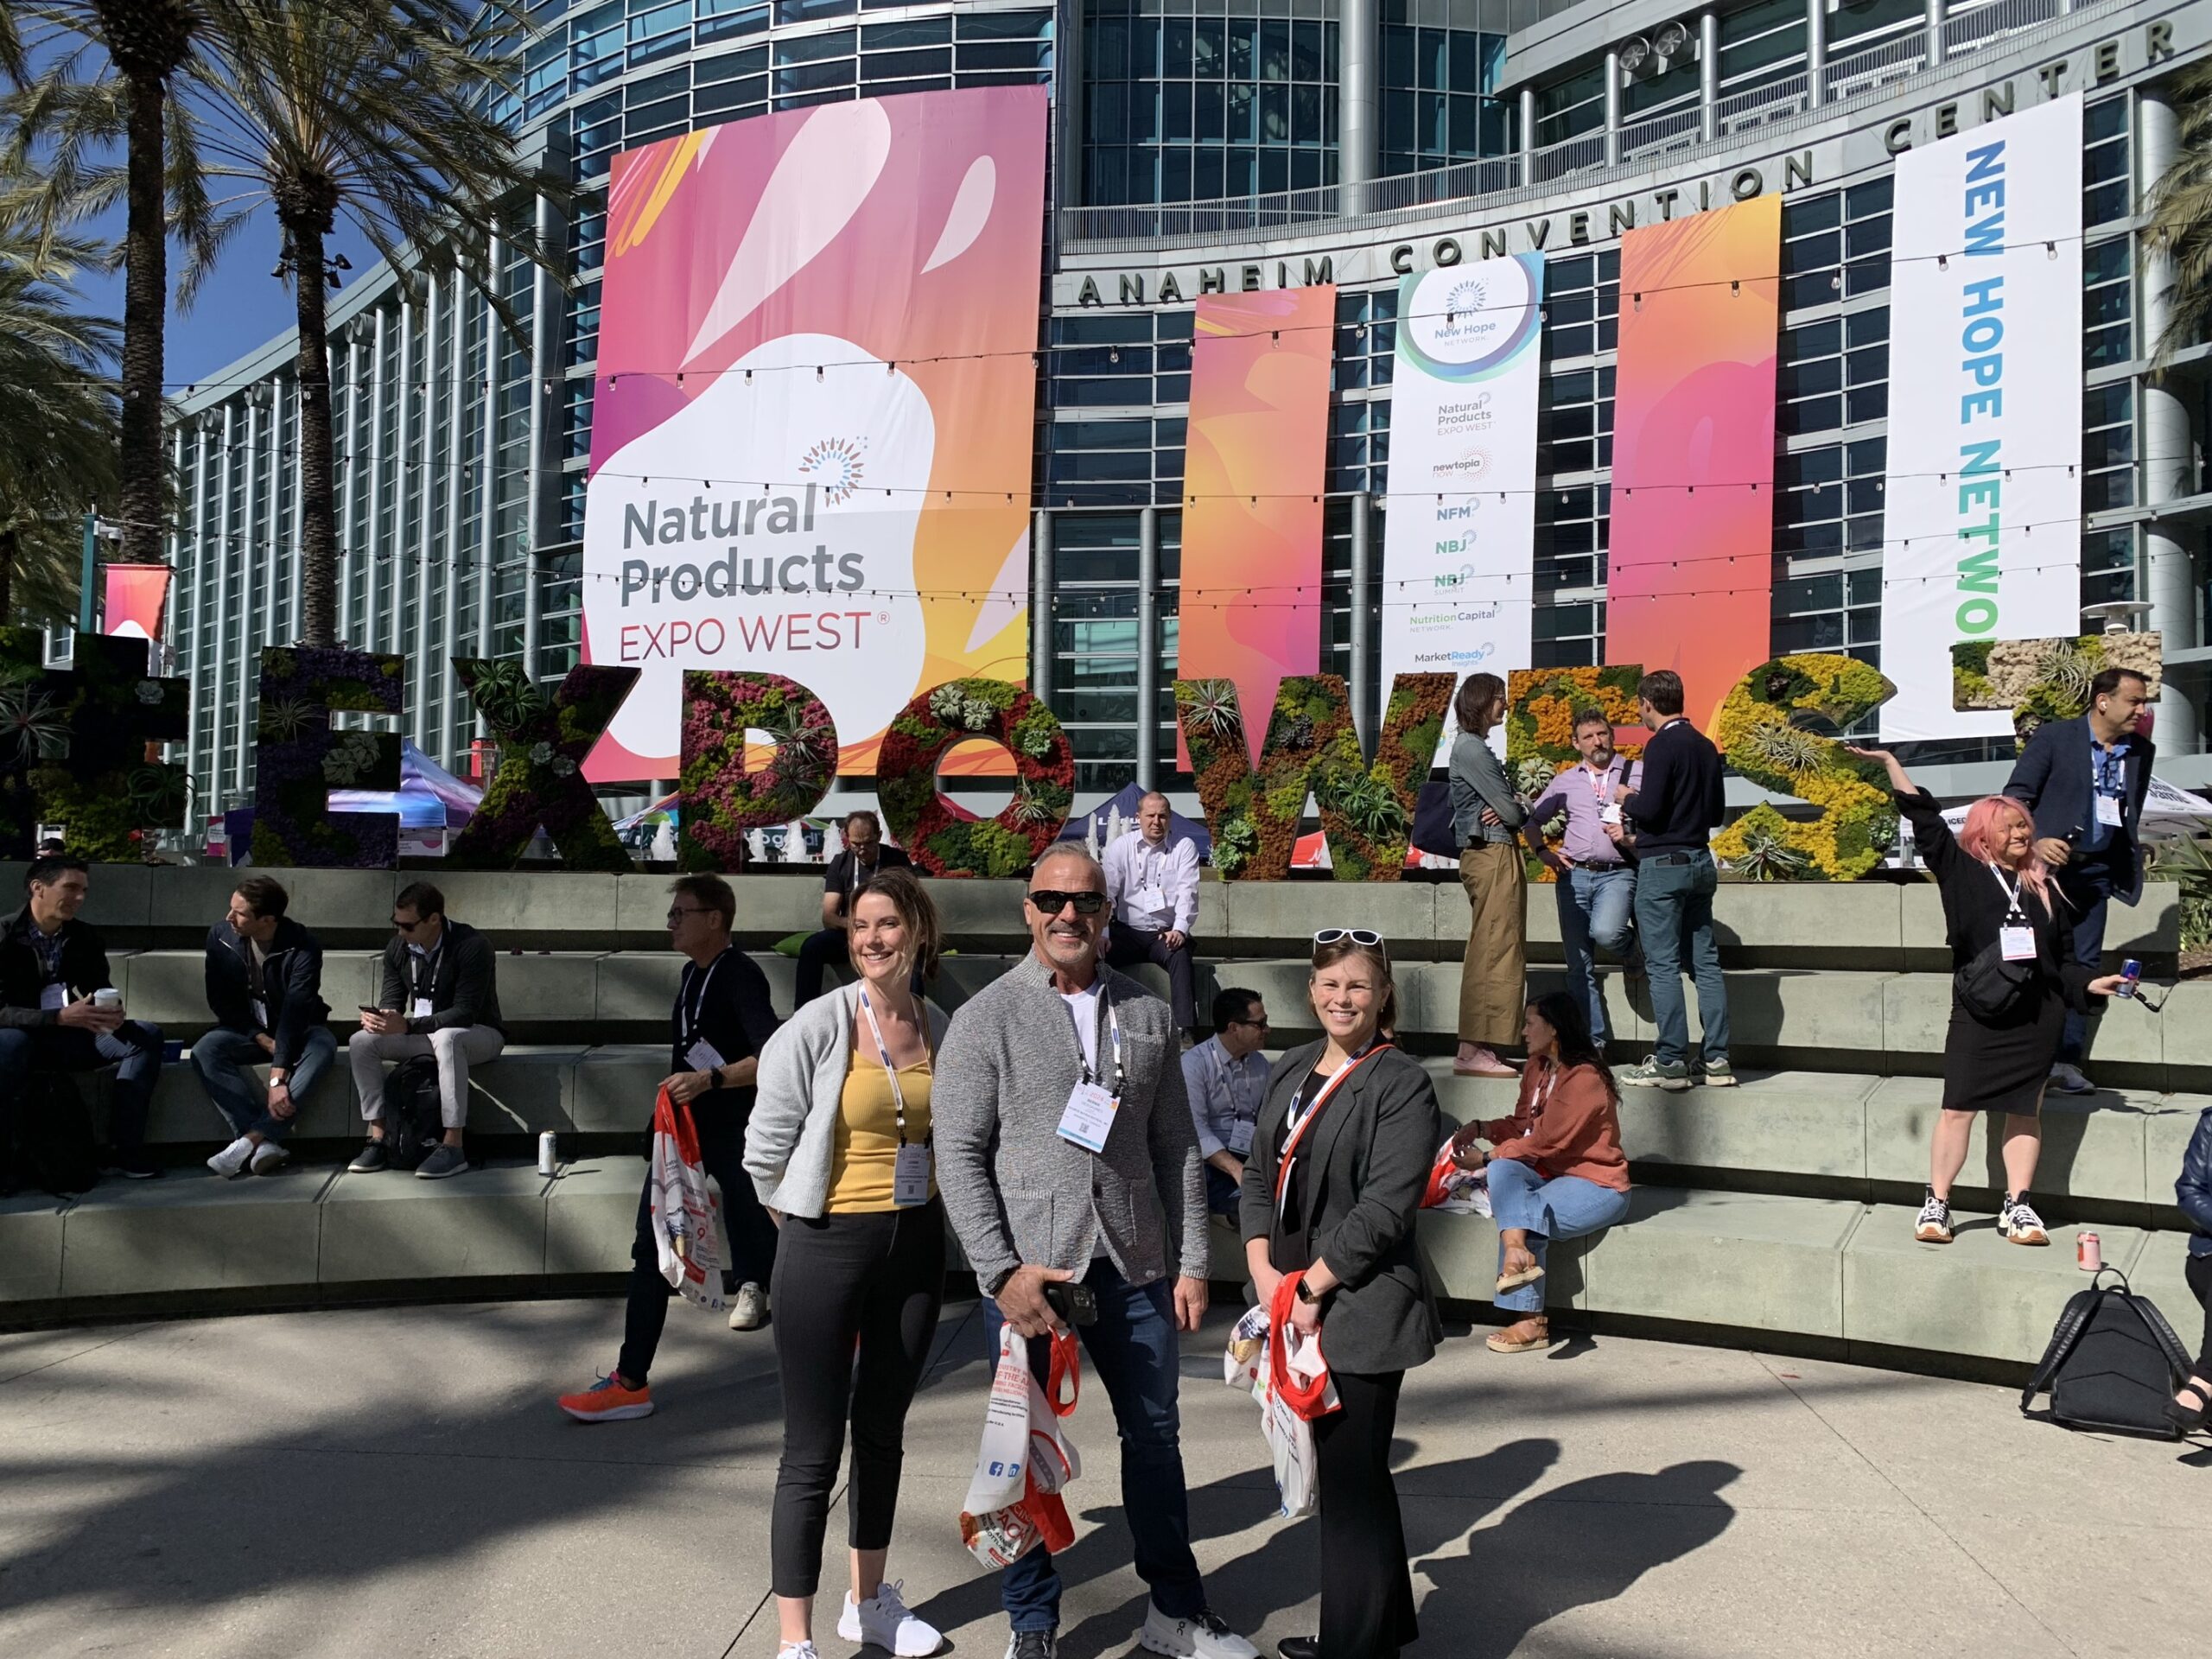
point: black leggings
(1367, 1591)
(2199, 1273)
(877, 1281)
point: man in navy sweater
(1669, 821)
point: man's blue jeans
(1133, 1350)
(1593, 910)
(221, 1058)
(2087, 882)
(1567, 1207)
(1674, 920)
(134, 1048)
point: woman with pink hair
(2013, 978)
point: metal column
(538, 515)
(1359, 101)
(487, 473)
(1528, 136)
(1364, 690)
(402, 477)
(1612, 106)
(1068, 107)
(2168, 444)
(367, 641)
(1041, 606)
(222, 593)
(195, 663)
(1148, 648)
(1708, 75)
(449, 617)
(1934, 24)
(345, 471)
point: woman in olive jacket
(1360, 1123)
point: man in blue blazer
(2084, 779)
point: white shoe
(2070, 1079)
(883, 1621)
(269, 1158)
(231, 1160)
(799, 1650)
(1203, 1636)
(750, 1310)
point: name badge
(703, 1056)
(1240, 1138)
(1149, 900)
(1089, 1117)
(260, 1014)
(2109, 809)
(2019, 944)
(55, 997)
(422, 1008)
(909, 1177)
(1611, 814)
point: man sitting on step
(264, 987)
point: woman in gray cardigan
(839, 1149)
(1486, 813)
(1340, 1159)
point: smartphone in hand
(1073, 1302)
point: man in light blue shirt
(1226, 1076)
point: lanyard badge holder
(1088, 1118)
(1303, 1118)
(2016, 940)
(909, 1170)
(698, 1053)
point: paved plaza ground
(396, 1482)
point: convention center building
(1712, 213)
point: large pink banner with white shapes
(811, 437)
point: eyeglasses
(1356, 935)
(1051, 901)
(1261, 1024)
(680, 911)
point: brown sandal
(1503, 1342)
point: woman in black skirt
(2002, 914)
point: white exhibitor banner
(1458, 548)
(1982, 514)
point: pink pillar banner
(132, 600)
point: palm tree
(2181, 213)
(74, 121)
(382, 114)
(57, 423)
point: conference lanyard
(1114, 1027)
(2011, 895)
(1544, 1093)
(2111, 768)
(422, 975)
(1601, 785)
(694, 1005)
(883, 1053)
(1303, 1116)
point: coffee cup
(107, 997)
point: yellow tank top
(868, 1135)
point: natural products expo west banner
(1692, 495)
(1250, 605)
(1982, 514)
(1459, 562)
(813, 417)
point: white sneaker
(269, 1158)
(2020, 1223)
(750, 1310)
(1202, 1635)
(799, 1650)
(230, 1162)
(2070, 1079)
(883, 1621)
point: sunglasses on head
(1051, 901)
(1356, 935)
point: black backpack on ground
(413, 1123)
(2113, 1364)
(53, 1147)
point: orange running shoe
(607, 1401)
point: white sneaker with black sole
(885, 1621)
(1033, 1644)
(748, 1308)
(269, 1158)
(230, 1161)
(1202, 1635)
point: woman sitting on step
(2013, 977)
(1556, 1166)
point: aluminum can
(2089, 1252)
(549, 1153)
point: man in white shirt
(1152, 887)
(1226, 1077)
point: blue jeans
(1674, 919)
(1567, 1207)
(134, 1048)
(1134, 1352)
(1593, 910)
(221, 1058)
(2087, 882)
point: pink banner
(133, 598)
(815, 406)
(1250, 605)
(1693, 500)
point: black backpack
(54, 1148)
(412, 1121)
(2113, 1364)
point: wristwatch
(1304, 1294)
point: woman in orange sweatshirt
(1556, 1166)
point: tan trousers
(1493, 978)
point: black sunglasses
(1052, 901)
(408, 927)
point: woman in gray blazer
(1340, 1158)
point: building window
(1575, 427)
(2105, 194)
(2107, 300)
(2109, 447)
(1437, 103)
(1833, 372)
(1828, 549)
(2109, 565)
(1582, 303)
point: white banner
(1982, 518)
(1458, 550)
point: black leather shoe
(1300, 1647)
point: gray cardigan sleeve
(963, 1124)
(1408, 1128)
(781, 1103)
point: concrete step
(1821, 1275)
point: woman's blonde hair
(917, 914)
(1336, 950)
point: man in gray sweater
(1065, 1152)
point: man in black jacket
(264, 987)
(865, 853)
(60, 1011)
(439, 997)
(1670, 817)
(2085, 780)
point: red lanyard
(1307, 1118)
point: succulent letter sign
(76, 746)
(542, 743)
(721, 799)
(300, 759)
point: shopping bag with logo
(1287, 1376)
(686, 1246)
(1026, 1457)
(1455, 1190)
